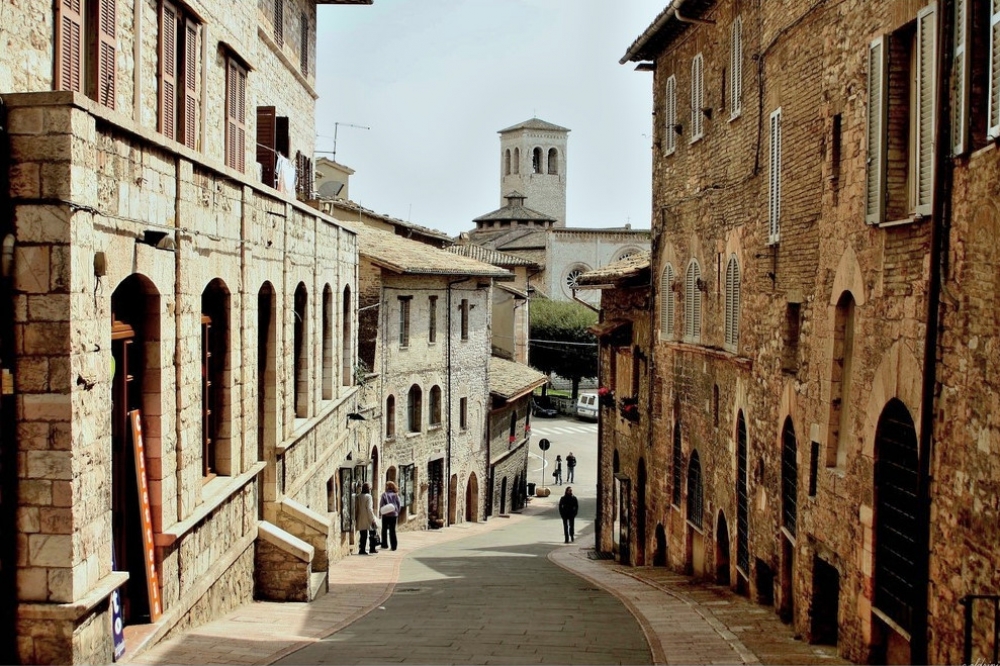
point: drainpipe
(940, 225)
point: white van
(586, 406)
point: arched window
(695, 495)
(668, 302)
(414, 407)
(506, 162)
(840, 382)
(789, 476)
(742, 497)
(732, 303)
(692, 302)
(536, 160)
(435, 414)
(553, 162)
(346, 349)
(327, 343)
(301, 345)
(390, 416)
(513, 425)
(216, 377)
(517, 160)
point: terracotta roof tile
(509, 379)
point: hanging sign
(152, 580)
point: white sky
(436, 79)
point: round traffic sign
(543, 444)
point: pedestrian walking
(557, 472)
(570, 467)
(364, 518)
(568, 507)
(389, 507)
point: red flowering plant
(629, 409)
(606, 397)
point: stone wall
(509, 455)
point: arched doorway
(453, 499)
(789, 518)
(376, 486)
(695, 517)
(472, 499)
(722, 551)
(135, 338)
(503, 496)
(660, 555)
(517, 494)
(267, 385)
(742, 508)
(898, 588)
(640, 514)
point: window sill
(696, 139)
(699, 530)
(736, 116)
(216, 491)
(913, 219)
(411, 435)
(436, 426)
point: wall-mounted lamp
(354, 416)
(100, 264)
(707, 111)
(678, 128)
(161, 240)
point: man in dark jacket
(568, 506)
(570, 467)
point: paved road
(492, 598)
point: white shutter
(697, 98)
(667, 302)
(774, 180)
(670, 114)
(696, 305)
(736, 68)
(960, 80)
(689, 291)
(732, 301)
(994, 113)
(876, 123)
(926, 100)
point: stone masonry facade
(804, 450)
(158, 274)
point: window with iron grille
(414, 408)
(390, 417)
(404, 321)
(432, 319)
(465, 318)
(789, 477)
(678, 462)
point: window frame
(774, 179)
(404, 321)
(235, 102)
(697, 97)
(670, 116)
(733, 288)
(736, 68)
(414, 409)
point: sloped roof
(536, 124)
(405, 256)
(346, 204)
(515, 212)
(664, 29)
(630, 266)
(485, 254)
(509, 380)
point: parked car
(542, 407)
(586, 406)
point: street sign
(544, 444)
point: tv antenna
(336, 128)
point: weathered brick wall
(710, 202)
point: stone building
(531, 222)
(425, 322)
(820, 358)
(509, 433)
(178, 337)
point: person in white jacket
(364, 518)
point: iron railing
(969, 601)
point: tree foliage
(560, 342)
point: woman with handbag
(389, 507)
(364, 519)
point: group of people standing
(570, 469)
(389, 507)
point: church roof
(509, 380)
(485, 254)
(631, 266)
(535, 124)
(409, 257)
(514, 211)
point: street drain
(401, 590)
(590, 589)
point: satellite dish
(330, 189)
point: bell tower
(533, 162)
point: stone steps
(317, 584)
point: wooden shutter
(69, 45)
(736, 68)
(696, 97)
(190, 123)
(670, 113)
(960, 80)
(107, 50)
(279, 22)
(236, 90)
(282, 143)
(926, 100)
(732, 301)
(168, 70)
(774, 180)
(876, 124)
(265, 143)
(994, 111)
(667, 302)
(304, 45)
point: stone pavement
(683, 621)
